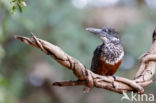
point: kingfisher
(107, 56)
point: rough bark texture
(87, 78)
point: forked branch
(87, 78)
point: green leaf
(13, 0)
(13, 9)
(20, 8)
(20, 1)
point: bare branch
(87, 78)
(69, 83)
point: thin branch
(87, 78)
(69, 83)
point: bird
(107, 56)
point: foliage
(18, 4)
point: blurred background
(26, 73)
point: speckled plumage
(110, 55)
(107, 56)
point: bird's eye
(103, 30)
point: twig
(69, 83)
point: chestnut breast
(107, 59)
(107, 69)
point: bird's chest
(111, 54)
(107, 69)
(110, 59)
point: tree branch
(87, 78)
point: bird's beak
(99, 33)
(94, 31)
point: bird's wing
(95, 59)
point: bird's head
(106, 34)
